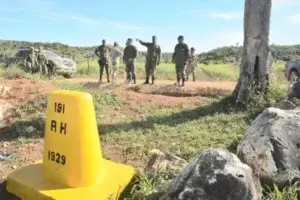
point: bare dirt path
(225, 85)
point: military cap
(180, 37)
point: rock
(285, 105)
(271, 146)
(5, 144)
(168, 164)
(294, 91)
(215, 174)
(30, 129)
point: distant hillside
(231, 54)
(9, 48)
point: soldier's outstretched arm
(146, 44)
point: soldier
(103, 52)
(180, 57)
(42, 62)
(126, 70)
(191, 65)
(152, 58)
(115, 59)
(130, 54)
(30, 61)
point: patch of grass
(288, 193)
(100, 99)
(221, 71)
(143, 186)
(166, 129)
(30, 107)
(166, 71)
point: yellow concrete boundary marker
(72, 166)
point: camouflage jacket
(130, 51)
(40, 57)
(103, 52)
(116, 53)
(31, 57)
(181, 53)
(153, 51)
(192, 60)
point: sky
(205, 24)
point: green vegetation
(233, 54)
(131, 126)
(229, 54)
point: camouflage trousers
(102, 66)
(42, 65)
(51, 69)
(180, 70)
(150, 68)
(190, 69)
(130, 69)
(30, 66)
(115, 67)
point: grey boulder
(215, 174)
(271, 146)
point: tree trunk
(256, 58)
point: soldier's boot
(147, 80)
(194, 78)
(108, 80)
(183, 82)
(153, 80)
(134, 78)
(178, 82)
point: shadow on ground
(5, 195)
(33, 128)
(223, 106)
(177, 91)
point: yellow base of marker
(29, 183)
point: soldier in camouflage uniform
(130, 54)
(180, 57)
(191, 65)
(103, 52)
(152, 58)
(30, 61)
(116, 53)
(42, 62)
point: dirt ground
(20, 92)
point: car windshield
(51, 54)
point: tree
(256, 58)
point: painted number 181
(59, 108)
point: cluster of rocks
(269, 153)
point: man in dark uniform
(180, 57)
(129, 56)
(103, 52)
(152, 58)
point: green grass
(132, 130)
(166, 71)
